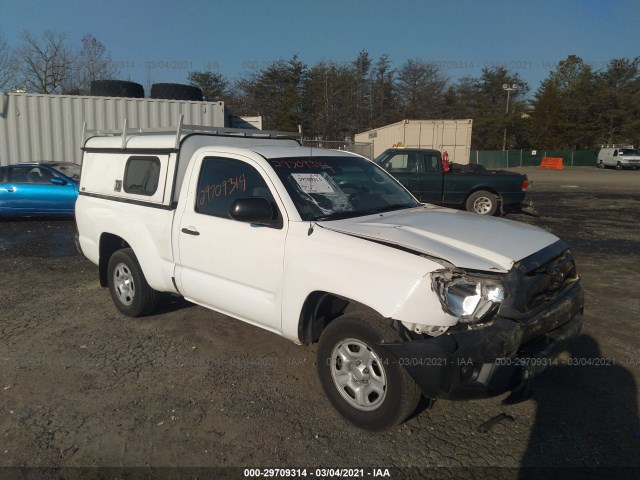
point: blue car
(38, 189)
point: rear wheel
(600, 164)
(129, 289)
(363, 382)
(482, 203)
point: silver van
(621, 157)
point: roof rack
(184, 129)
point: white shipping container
(35, 127)
(454, 136)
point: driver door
(229, 266)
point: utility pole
(509, 89)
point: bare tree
(93, 63)
(7, 65)
(45, 63)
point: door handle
(190, 232)
(11, 189)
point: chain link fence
(486, 158)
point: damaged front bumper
(487, 360)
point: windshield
(628, 151)
(329, 188)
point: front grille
(538, 280)
(542, 291)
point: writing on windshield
(333, 187)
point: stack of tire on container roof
(116, 88)
(168, 91)
(176, 91)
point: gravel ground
(82, 386)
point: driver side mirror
(255, 210)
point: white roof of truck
(273, 151)
(266, 146)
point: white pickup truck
(404, 299)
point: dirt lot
(82, 385)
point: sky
(162, 41)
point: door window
(31, 174)
(224, 180)
(431, 163)
(401, 163)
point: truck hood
(464, 239)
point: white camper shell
(170, 151)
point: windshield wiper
(399, 206)
(337, 215)
(362, 213)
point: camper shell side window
(141, 175)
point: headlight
(468, 298)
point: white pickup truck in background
(404, 299)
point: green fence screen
(529, 158)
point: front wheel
(618, 166)
(482, 203)
(363, 382)
(129, 289)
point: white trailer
(454, 136)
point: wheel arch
(320, 308)
(483, 188)
(109, 244)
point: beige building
(454, 136)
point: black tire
(400, 395)
(176, 91)
(482, 203)
(116, 88)
(619, 166)
(129, 289)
